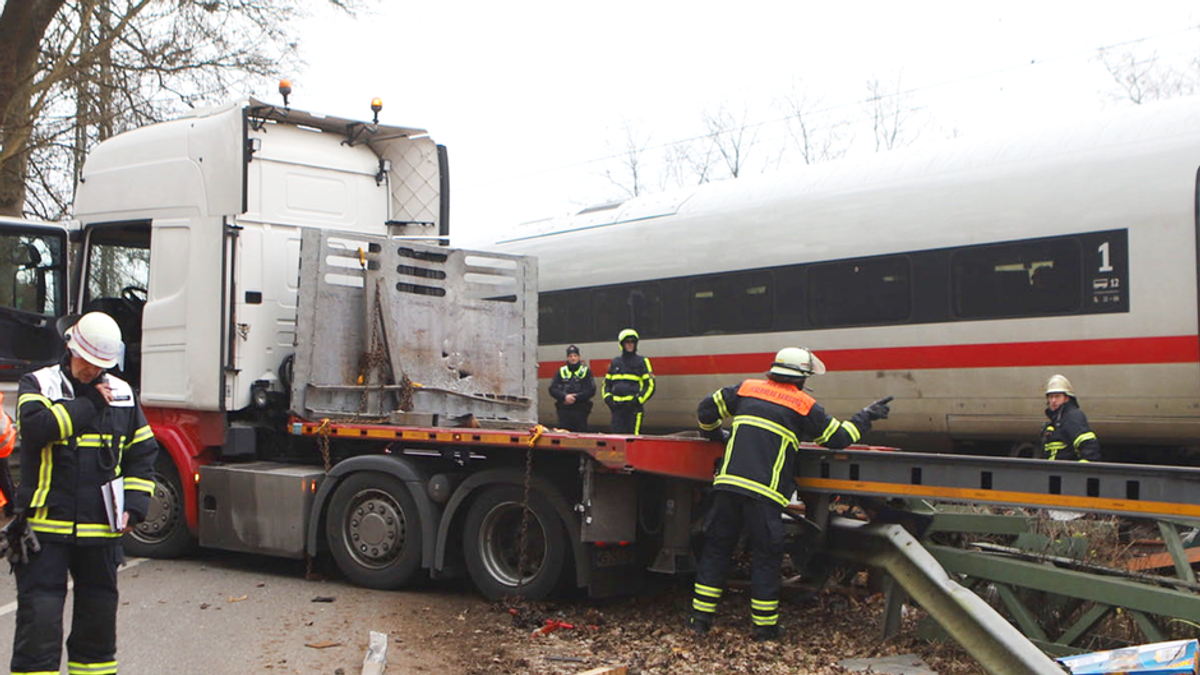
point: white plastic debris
(375, 662)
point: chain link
(522, 553)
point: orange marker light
(285, 87)
(376, 104)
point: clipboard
(113, 493)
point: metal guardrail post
(999, 647)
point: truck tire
(491, 542)
(374, 531)
(164, 533)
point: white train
(956, 278)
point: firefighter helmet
(1059, 384)
(796, 362)
(96, 338)
(627, 334)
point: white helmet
(796, 362)
(1059, 384)
(96, 338)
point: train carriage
(955, 277)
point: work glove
(717, 434)
(18, 543)
(879, 409)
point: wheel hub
(375, 528)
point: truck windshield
(32, 294)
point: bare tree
(688, 162)
(731, 135)
(1141, 79)
(816, 136)
(891, 114)
(629, 155)
(74, 72)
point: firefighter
(80, 428)
(754, 481)
(1066, 434)
(572, 390)
(628, 384)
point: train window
(635, 305)
(856, 292)
(553, 326)
(1022, 279)
(730, 303)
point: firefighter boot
(764, 633)
(699, 622)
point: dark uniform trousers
(763, 521)
(573, 419)
(41, 592)
(627, 419)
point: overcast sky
(532, 97)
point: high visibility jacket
(770, 419)
(71, 443)
(629, 381)
(1067, 436)
(576, 381)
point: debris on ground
(899, 664)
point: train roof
(815, 211)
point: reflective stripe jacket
(770, 419)
(629, 381)
(578, 381)
(1067, 436)
(70, 446)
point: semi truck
(325, 377)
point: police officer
(754, 481)
(628, 384)
(572, 390)
(80, 428)
(1066, 434)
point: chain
(522, 552)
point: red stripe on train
(1173, 349)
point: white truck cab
(190, 235)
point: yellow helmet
(627, 334)
(796, 362)
(1059, 384)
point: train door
(33, 293)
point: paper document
(114, 502)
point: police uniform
(573, 379)
(1067, 436)
(755, 482)
(71, 442)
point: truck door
(33, 293)
(115, 279)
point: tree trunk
(22, 26)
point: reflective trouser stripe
(105, 668)
(708, 591)
(702, 606)
(637, 424)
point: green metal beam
(980, 523)
(1085, 623)
(1149, 628)
(1025, 618)
(995, 643)
(1042, 577)
(1170, 535)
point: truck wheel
(164, 533)
(374, 531)
(491, 543)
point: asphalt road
(233, 613)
